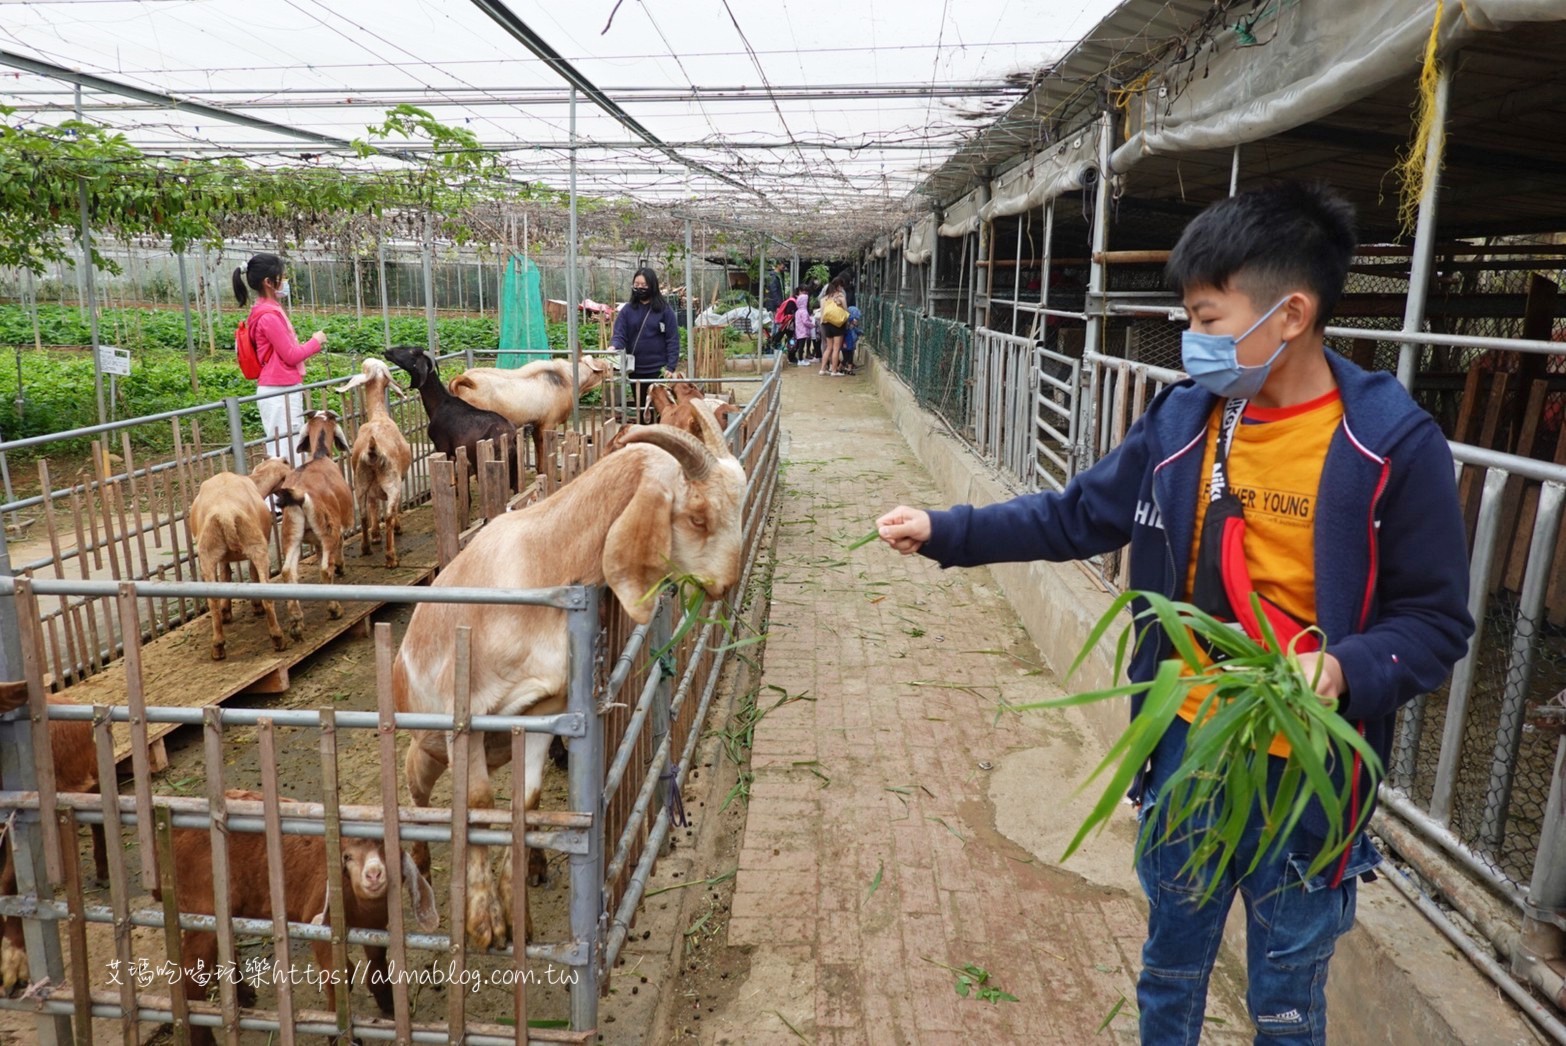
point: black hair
(1268, 243)
(654, 296)
(258, 269)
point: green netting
(933, 356)
(523, 338)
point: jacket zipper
(1364, 616)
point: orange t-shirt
(1275, 463)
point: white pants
(282, 417)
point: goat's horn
(711, 429)
(693, 457)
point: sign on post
(114, 361)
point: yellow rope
(1411, 166)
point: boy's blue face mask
(1213, 362)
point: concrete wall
(1395, 980)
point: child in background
(804, 329)
(850, 339)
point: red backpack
(250, 362)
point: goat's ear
(637, 549)
(304, 443)
(339, 439)
(422, 894)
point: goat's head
(690, 528)
(685, 391)
(661, 399)
(365, 873)
(320, 433)
(371, 370)
(420, 367)
(268, 475)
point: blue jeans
(1291, 925)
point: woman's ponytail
(256, 272)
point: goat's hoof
(364, 550)
(278, 642)
(14, 972)
(391, 562)
(397, 527)
(218, 651)
(257, 610)
(227, 615)
(296, 628)
(486, 917)
(334, 610)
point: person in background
(834, 324)
(646, 329)
(282, 356)
(850, 339)
(772, 289)
(804, 329)
(783, 325)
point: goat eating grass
(667, 504)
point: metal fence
(628, 761)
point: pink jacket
(282, 355)
(802, 322)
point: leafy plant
(1255, 692)
(973, 983)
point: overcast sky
(350, 60)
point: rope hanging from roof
(1413, 167)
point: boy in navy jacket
(1351, 524)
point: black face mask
(640, 293)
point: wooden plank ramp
(178, 670)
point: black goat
(453, 423)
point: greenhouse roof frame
(729, 152)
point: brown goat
(317, 505)
(674, 408)
(538, 394)
(364, 880)
(75, 770)
(380, 456)
(233, 524)
(668, 503)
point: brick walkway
(900, 817)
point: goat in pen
(668, 504)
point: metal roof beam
(507, 19)
(99, 83)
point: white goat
(380, 456)
(538, 394)
(668, 503)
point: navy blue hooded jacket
(1391, 554)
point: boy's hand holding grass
(1325, 675)
(905, 529)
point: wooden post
(443, 499)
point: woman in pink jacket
(282, 356)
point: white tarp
(962, 217)
(1311, 60)
(921, 241)
(1043, 176)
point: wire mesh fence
(934, 356)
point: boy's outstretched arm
(1093, 515)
